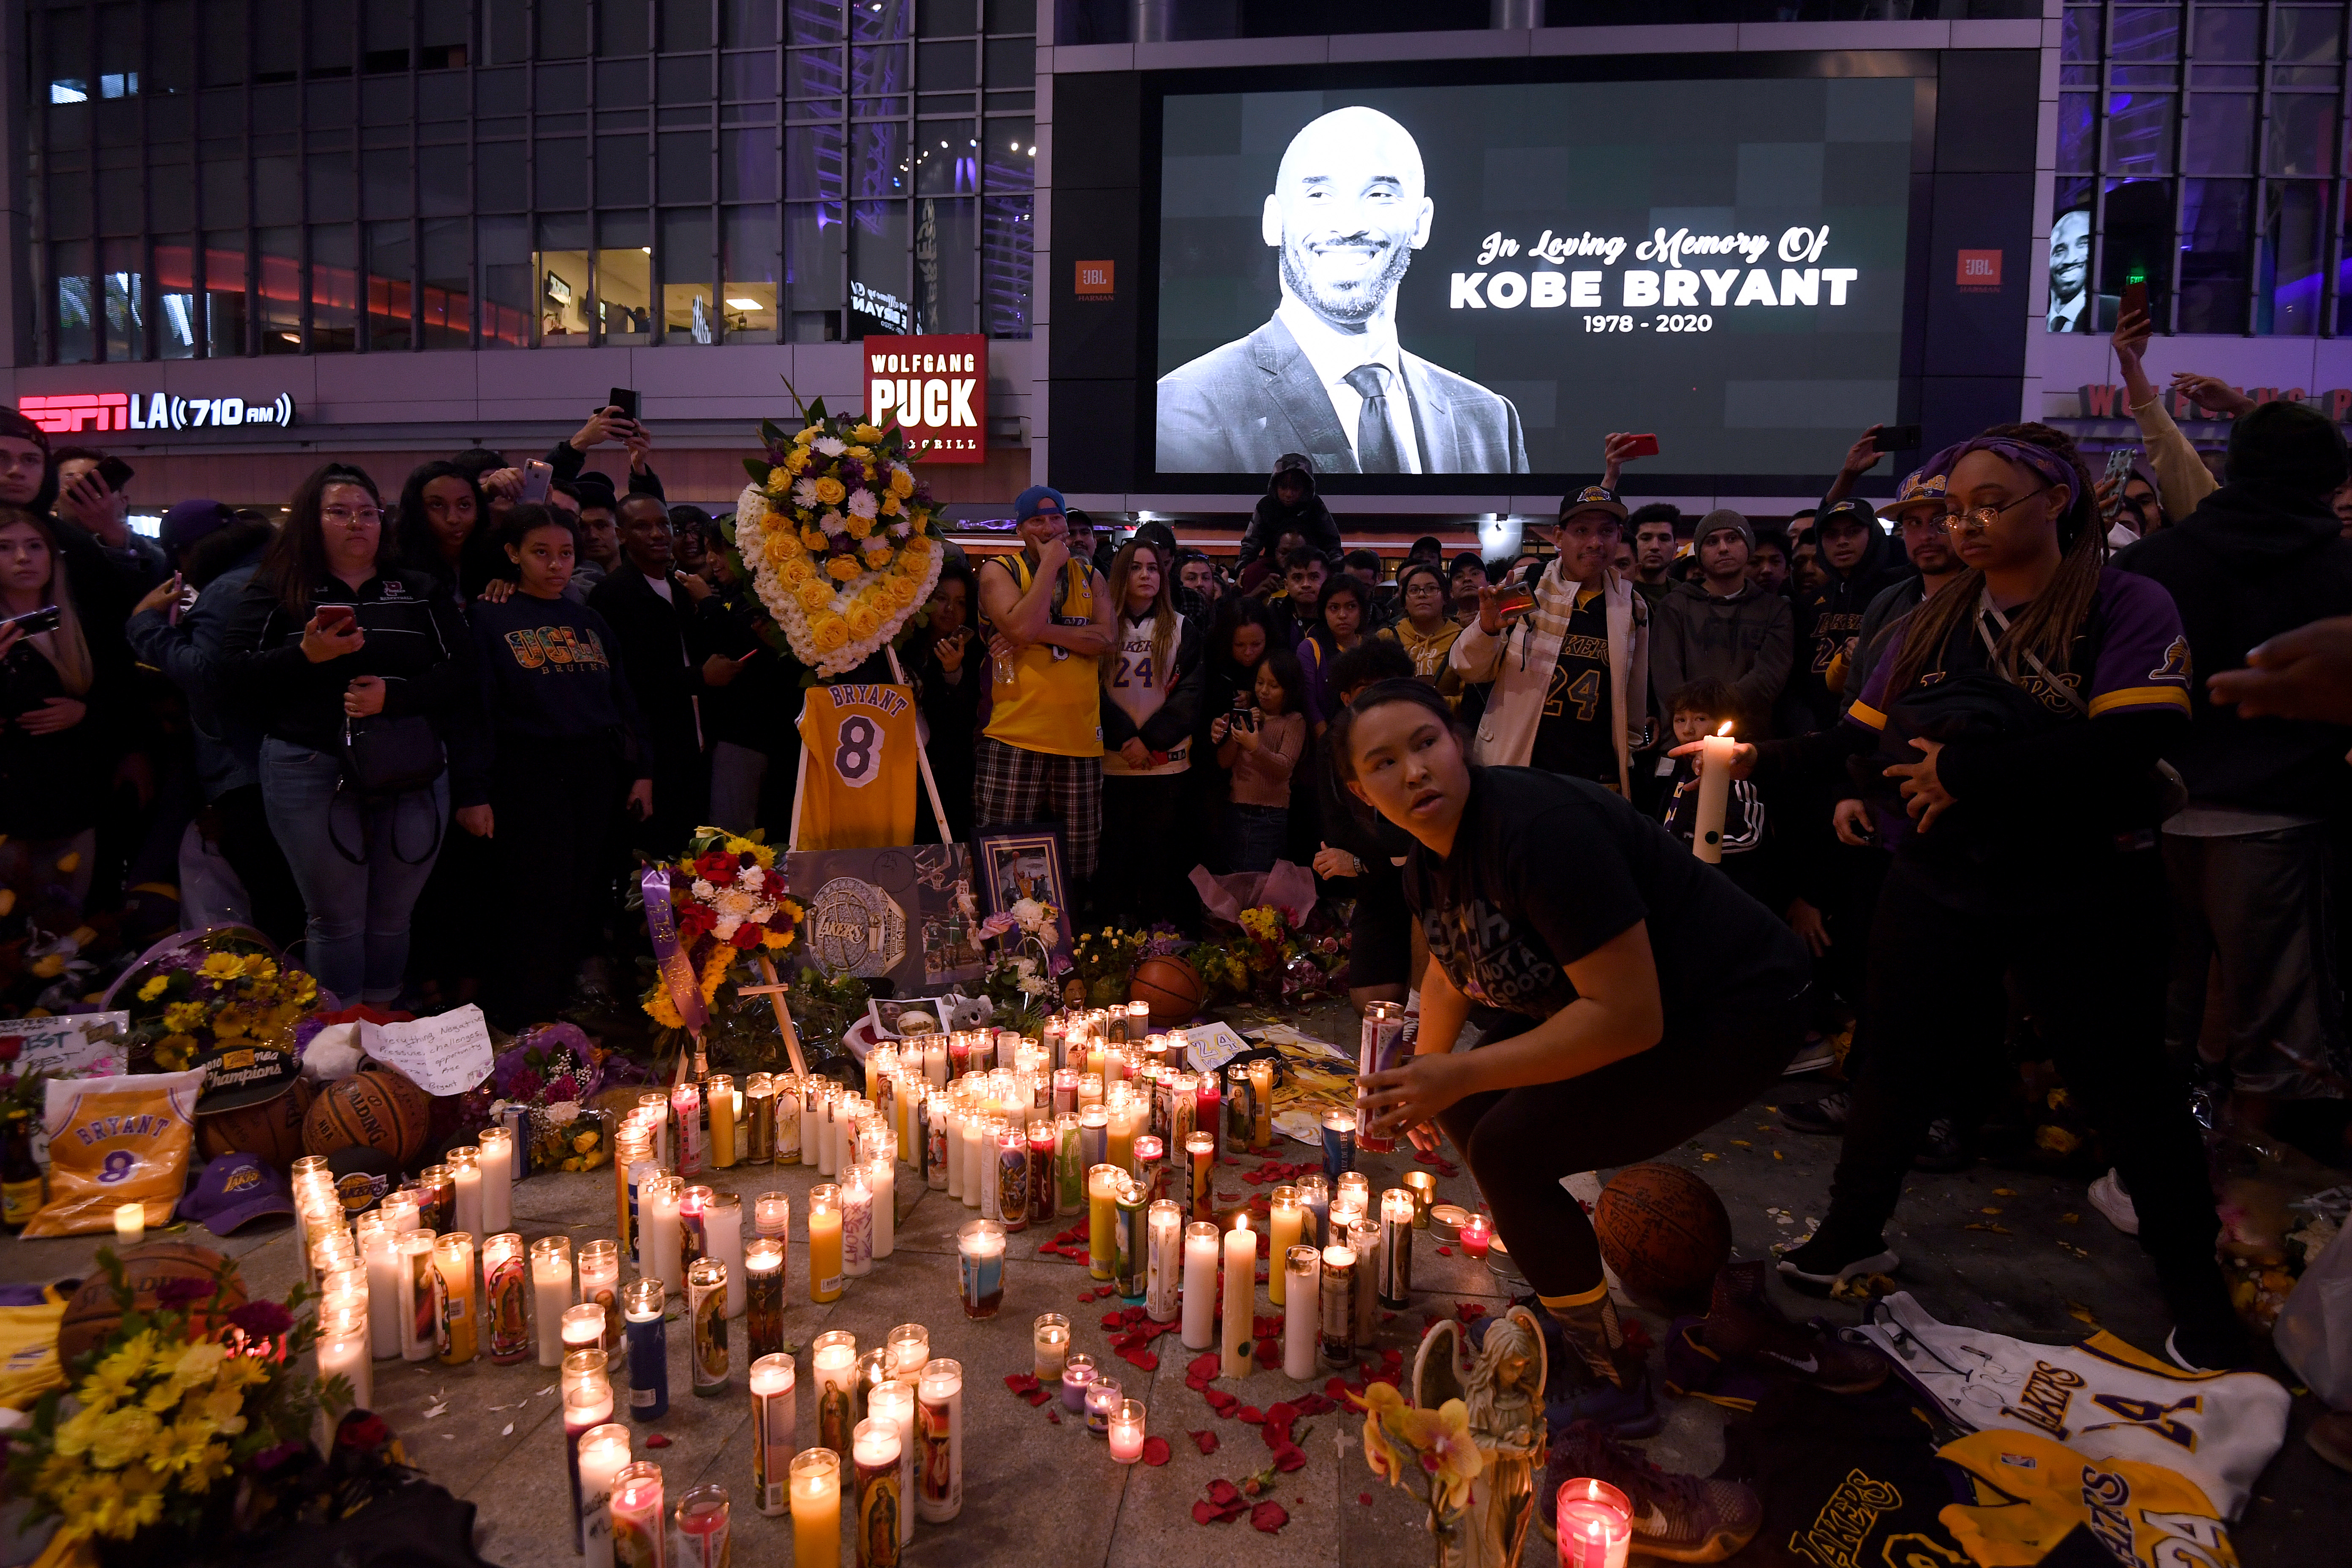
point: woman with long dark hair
(361, 677)
(58, 746)
(2019, 719)
(1341, 613)
(443, 524)
(1152, 701)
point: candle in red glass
(1477, 1231)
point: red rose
(716, 867)
(773, 885)
(746, 937)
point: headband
(2057, 469)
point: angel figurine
(1502, 1385)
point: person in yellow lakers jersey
(856, 783)
(1040, 758)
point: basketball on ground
(93, 1313)
(378, 1108)
(1170, 987)
(1665, 1233)
(272, 1129)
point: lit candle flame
(1725, 729)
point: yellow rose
(813, 538)
(902, 591)
(866, 434)
(902, 483)
(795, 461)
(781, 548)
(859, 527)
(863, 621)
(796, 571)
(844, 569)
(857, 454)
(830, 490)
(918, 547)
(807, 434)
(813, 595)
(829, 631)
(890, 506)
(780, 481)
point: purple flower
(262, 1320)
(270, 1459)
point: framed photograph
(1026, 863)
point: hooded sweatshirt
(1745, 640)
(2254, 560)
(1833, 613)
(1272, 519)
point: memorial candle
(1261, 1082)
(1133, 1241)
(1477, 1233)
(343, 1351)
(633, 1162)
(979, 1156)
(1208, 1111)
(585, 1408)
(419, 1298)
(1049, 1345)
(896, 1403)
(1338, 1311)
(1078, 1371)
(1042, 1180)
(952, 1146)
(690, 1155)
(1594, 1523)
(600, 1286)
(815, 1480)
(653, 1114)
(979, 1261)
(1315, 1198)
(1102, 1220)
(825, 1242)
(660, 1254)
(763, 1298)
(1396, 1248)
(1103, 1395)
(704, 1528)
(581, 1327)
(706, 1318)
(1094, 1135)
(882, 1176)
(640, 1531)
(1200, 1174)
(1286, 1216)
(551, 1293)
(583, 1367)
(1164, 1247)
(1199, 1301)
(1126, 1431)
(1339, 1143)
(1090, 1090)
(910, 1347)
(1364, 1241)
(938, 1421)
(1302, 1272)
(1717, 755)
(604, 1453)
(833, 1360)
(466, 1170)
(760, 1141)
(453, 1260)
(497, 1163)
(1241, 1282)
(1149, 1165)
(505, 1291)
(721, 1090)
(857, 1223)
(774, 1430)
(874, 1448)
(935, 1061)
(808, 1127)
(1424, 1188)
(643, 1305)
(722, 1232)
(693, 1234)
(383, 1254)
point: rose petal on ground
(1469, 1311)
(1204, 1367)
(1251, 1414)
(1392, 1357)
(1155, 1450)
(1021, 1381)
(1144, 1359)
(1206, 1513)
(1269, 1516)
(1220, 1401)
(657, 1440)
(1113, 1320)
(1288, 1458)
(1036, 1396)
(1364, 1497)
(1444, 1252)
(1224, 1493)
(1206, 1441)
(1054, 1415)
(1269, 1353)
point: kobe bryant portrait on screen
(1326, 375)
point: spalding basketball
(93, 1313)
(1170, 987)
(272, 1129)
(1665, 1233)
(378, 1108)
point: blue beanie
(1025, 504)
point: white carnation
(735, 904)
(725, 930)
(752, 876)
(831, 446)
(1028, 914)
(702, 891)
(804, 492)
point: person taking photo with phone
(59, 735)
(361, 677)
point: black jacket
(1827, 616)
(2250, 562)
(1272, 519)
(1180, 712)
(662, 645)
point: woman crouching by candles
(1631, 996)
(2017, 721)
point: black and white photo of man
(2071, 300)
(1326, 375)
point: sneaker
(1943, 1152)
(2107, 1197)
(1622, 1412)
(1825, 1116)
(1814, 1264)
(2330, 1438)
(1816, 1054)
(1742, 1324)
(1681, 1518)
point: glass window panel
(2227, 33)
(77, 335)
(747, 22)
(623, 27)
(119, 208)
(747, 166)
(625, 293)
(2216, 224)
(276, 190)
(221, 114)
(383, 101)
(2294, 241)
(689, 310)
(815, 73)
(2223, 76)
(875, 21)
(2303, 76)
(814, 236)
(685, 24)
(814, 109)
(1011, 15)
(947, 245)
(499, 181)
(563, 165)
(170, 120)
(562, 30)
(444, 24)
(877, 68)
(445, 301)
(386, 24)
(812, 161)
(748, 77)
(2307, 34)
(506, 34)
(947, 157)
(498, 92)
(2136, 245)
(2146, 33)
(390, 287)
(224, 294)
(1011, 154)
(123, 280)
(880, 165)
(1012, 62)
(2078, 34)
(620, 84)
(69, 204)
(334, 34)
(562, 298)
(683, 159)
(683, 80)
(508, 283)
(947, 67)
(223, 187)
(332, 187)
(878, 269)
(277, 33)
(752, 267)
(2144, 76)
(2140, 132)
(179, 312)
(171, 192)
(1007, 242)
(620, 172)
(946, 18)
(2218, 138)
(2301, 137)
(811, 24)
(383, 181)
(280, 289)
(329, 102)
(334, 289)
(560, 88)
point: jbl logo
(1980, 269)
(1095, 277)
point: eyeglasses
(1976, 518)
(351, 514)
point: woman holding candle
(1630, 998)
(2023, 855)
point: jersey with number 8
(856, 783)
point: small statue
(1502, 1385)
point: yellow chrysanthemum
(866, 435)
(154, 988)
(829, 632)
(221, 966)
(843, 569)
(774, 940)
(813, 594)
(830, 490)
(796, 571)
(259, 964)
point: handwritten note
(447, 1053)
(63, 1046)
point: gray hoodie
(1745, 641)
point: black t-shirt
(1574, 737)
(1547, 868)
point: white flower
(703, 891)
(900, 529)
(831, 446)
(761, 913)
(735, 904)
(752, 876)
(563, 1111)
(864, 504)
(1029, 915)
(830, 521)
(1034, 988)
(725, 930)
(804, 491)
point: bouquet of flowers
(550, 1069)
(1023, 980)
(835, 529)
(1105, 961)
(174, 1427)
(729, 900)
(221, 993)
(1270, 959)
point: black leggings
(1521, 1142)
(2084, 945)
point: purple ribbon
(661, 924)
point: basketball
(1665, 1233)
(92, 1313)
(378, 1108)
(272, 1129)
(1170, 987)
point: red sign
(937, 390)
(1095, 277)
(1980, 269)
(69, 413)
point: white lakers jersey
(856, 783)
(1137, 683)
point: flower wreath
(836, 531)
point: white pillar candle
(1199, 1299)
(775, 1427)
(882, 1175)
(343, 1352)
(939, 1418)
(640, 1533)
(498, 1167)
(603, 1450)
(130, 1224)
(419, 1316)
(722, 1227)
(875, 1449)
(955, 1163)
(400, 1211)
(828, 1147)
(552, 1292)
(1163, 1258)
(1302, 1303)
(812, 1093)
(600, 1286)
(464, 1166)
(1714, 760)
(653, 1114)
(383, 1292)
(1241, 1291)
(979, 1154)
(659, 1254)
(910, 1347)
(1126, 1431)
(895, 1402)
(580, 1327)
(585, 1408)
(832, 1360)
(857, 1224)
(772, 1215)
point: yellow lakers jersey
(856, 783)
(1053, 701)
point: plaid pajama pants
(1011, 786)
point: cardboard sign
(63, 1046)
(447, 1053)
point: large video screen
(1487, 280)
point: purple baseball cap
(233, 1191)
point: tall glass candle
(419, 1295)
(1012, 1175)
(722, 1229)
(833, 1358)
(633, 1162)
(721, 1090)
(643, 1305)
(705, 1524)
(1241, 1291)
(979, 1259)
(1149, 1164)
(1164, 1259)
(1126, 1431)
(1049, 1345)
(705, 1316)
(1594, 1523)
(1339, 1143)
(1041, 1183)
(1395, 1282)
(660, 1242)
(811, 1122)
(1200, 1178)
(453, 1260)
(1094, 1135)
(764, 1297)
(1102, 1220)
(825, 1242)
(895, 1403)
(1103, 1395)
(1353, 1188)
(979, 1185)
(551, 1294)
(581, 1328)
(466, 1170)
(693, 1227)
(857, 1223)
(772, 1215)
(690, 1155)
(1424, 1188)
(1315, 1197)
(882, 1177)
(1338, 1314)
(581, 1367)
(1069, 1168)
(1132, 1241)
(1286, 1217)
(640, 1528)
(816, 1508)
(604, 1453)
(383, 1256)
(910, 1345)
(1209, 1107)
(1301, 1310)
(506, 1290)
(874, 1448)
(344, 1353)
(1199, 1299)
(1364, 1241)
(939, 1420)
(584, 1409)
(759, 1134)
(1260, 1084)
(775, 1429)
(600, 1286)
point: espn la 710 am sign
(937, 389)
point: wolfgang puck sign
(937, 389)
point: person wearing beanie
(1050, 619)
(1724, 628)
(2247, 859)
(1290, 506)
